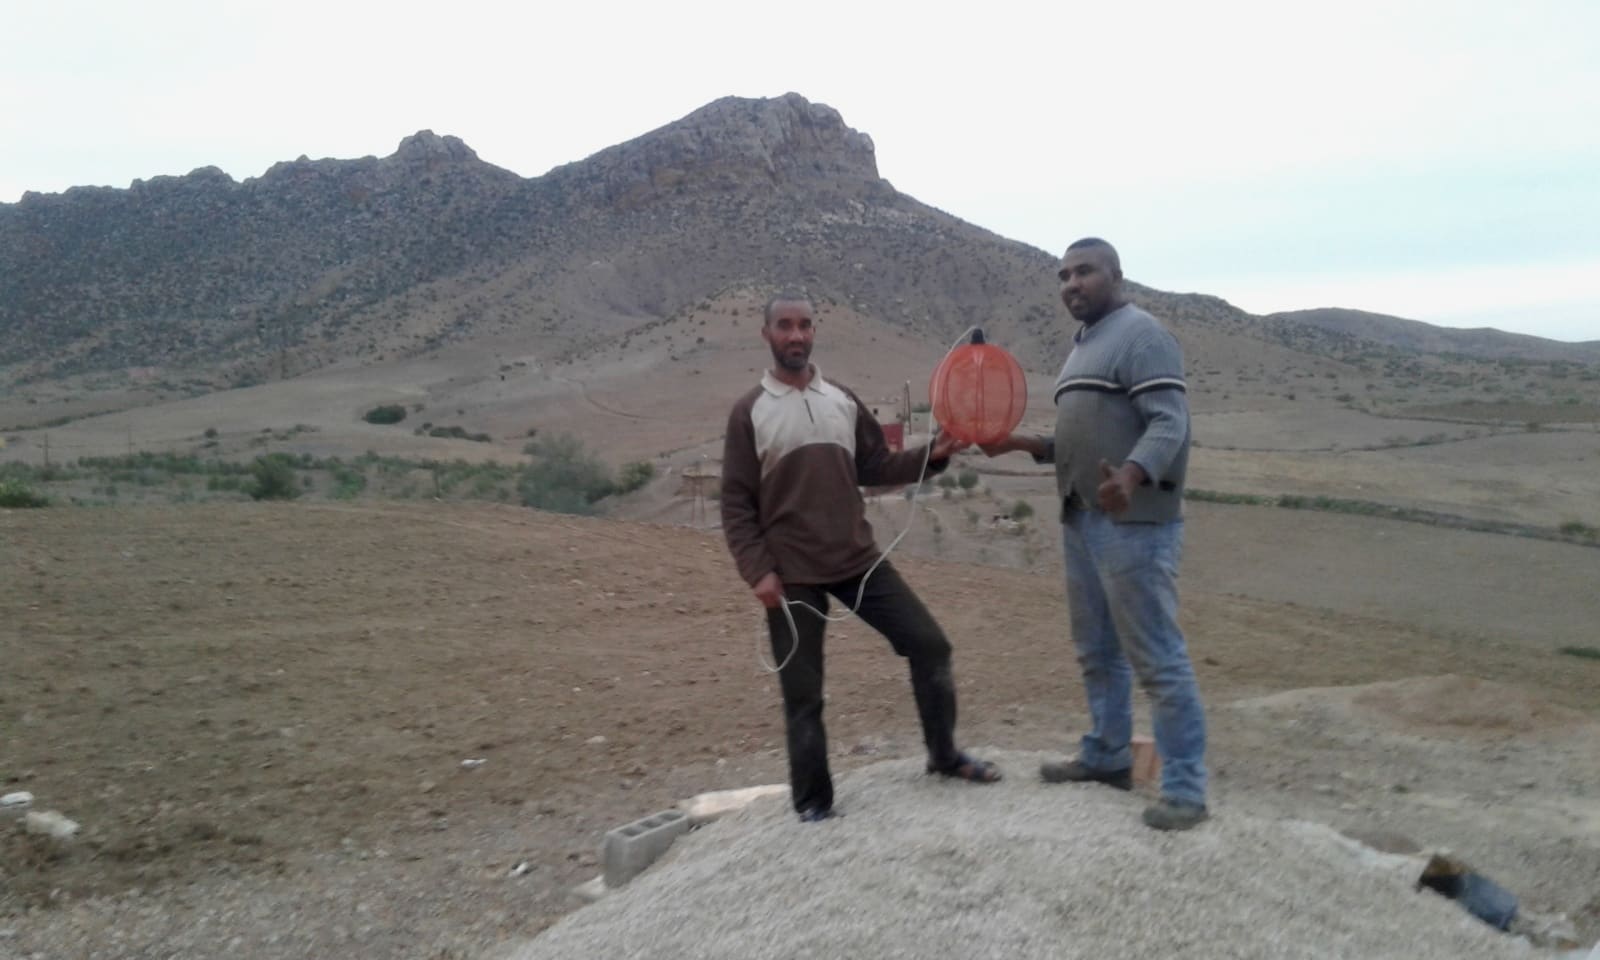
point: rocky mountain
(215, 282)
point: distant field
(1322, 427)
(1514, 412)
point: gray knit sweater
(1121, 396)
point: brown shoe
(1073, 771)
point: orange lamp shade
(978, 392)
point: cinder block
(1146, 762)
(629, 849)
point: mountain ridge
(318, 262)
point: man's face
(1090, 283)
(789, 332)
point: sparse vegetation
(16, 494)
(273, 478)
(1572, 531)
(563, 477)
(386, 414)
(1578, 530)
(1586, 653)
(459, 433)
(634, 475)
(347, 482)
(1216, 496)
(1021, 510)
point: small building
(895, 435)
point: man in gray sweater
(1120, 449)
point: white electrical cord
(922, 475)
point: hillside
(1419, 337)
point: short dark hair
(786, 296)
(1095, 243)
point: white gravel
(927, 869)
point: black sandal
(969, 769)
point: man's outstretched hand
(944, 445)
(769, 590)
(1117, 485)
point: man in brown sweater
(798, 449)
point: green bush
(1021, 510)
(459, 433)
(563, 478)
(16, 494)
(1214, 496)
(386, 414)
(1580, 530)
(634, 475)
(967, 479)
(348, 483)
(273, 478)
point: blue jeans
(1122, 595)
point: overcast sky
(1435, 160)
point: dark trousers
(889, 607)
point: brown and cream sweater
(793, 463)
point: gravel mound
(927, 869)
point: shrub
(1021, 510)
(967, 479)
(1214, 496)
(273, 478)
(348, 483)
(1578, 529)
(385, 414)
(459, 433)
(16, 494)
(563, 478)
(634, 475)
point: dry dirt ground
(259, 713)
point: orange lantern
(978, 392)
